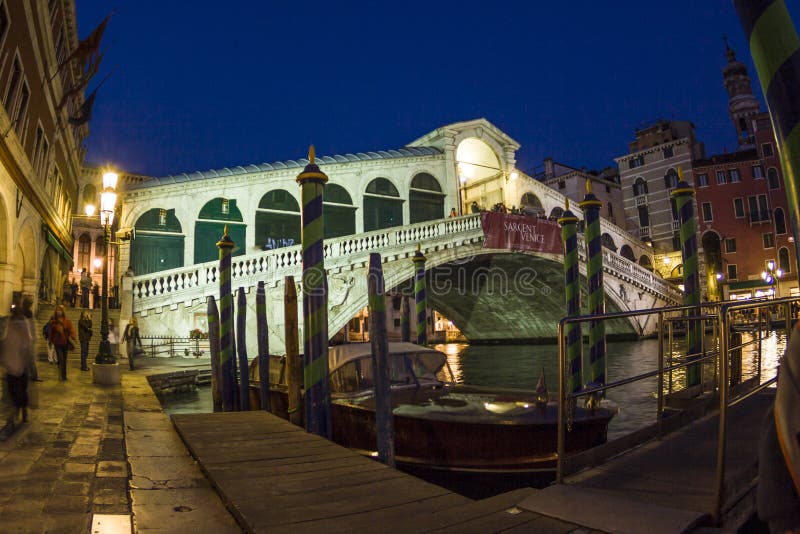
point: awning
(747, 284)
(56, 244)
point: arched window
(783, 260)
(84, 251)
(639, 187)
(780, 222)
(531, 205)
(608, 242)
(645, 262)
(671, 179)
(99, 249)
(277, 220)
(383, 207)
(426, 198)
(627, 252)
(158, 245)
(772, 178)
(556, 213)
(210, 226)
(338, 211)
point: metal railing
(171, 347)
(722, 318)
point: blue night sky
(200, 85)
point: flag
(81, 84)
(84, 114)
(88, 48)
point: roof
(732, 157)
(405, 152)
(339, 355)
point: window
(674, 205)
(37, 144)
(772, 178)
(644, 217)
(780, 222)
(667, 151)
(562, 184)
(738, 207)
(707, 215)
(783, 260)
(759, 209)
(13, 84)
(734, 176)
(84, 251)
(758, 172)
(22, 109)
(721, 178)
(702, 180)
(730, 245)
(676, 241)
(732, 274)
(768, 239)
(766, 150)
(3, 20)
(639, 187)
(638, 161)
(671, 179)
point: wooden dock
(275, 477)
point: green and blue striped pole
(384, 418)
(315, 312)
(241, 350)
(775, 48)
(569, 236)
(594, 275)
(226, 359)
(262, 332)
(213, 347)
(683, 195)
(420, 297)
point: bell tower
(742, 104)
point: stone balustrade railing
(200, 280)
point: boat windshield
(405, 369)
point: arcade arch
(277, 220)
(210, 226)
(159, 242)
(627, 252)
(338, 211)
(383, 207)
(426, 200)
(607, 241)
(530, 204)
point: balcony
(641, 200)
(644, 232)
(676, 225)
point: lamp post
(771, 275)
(108, 199)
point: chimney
(548, 167)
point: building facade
(648, 175)
(743, 209)
(40, 151)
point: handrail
(720, 314)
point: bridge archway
(530, 204)
(210, 226)
(338, 211)
(383, 207)
(645, 262)
(426, 200)
(159, 242)
(277, 220)
(608, 242)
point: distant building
(743, 210)
(571, 183)
(41, 151)
(648, 175)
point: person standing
(133, 343)
(95, 296)
(84, 335)
(62, 333)
(17, 351)
(86, 287)
(73, 293)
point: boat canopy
(340, 355)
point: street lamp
(771, 276)
(108, 199)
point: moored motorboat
(440, 424)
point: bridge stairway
(45, 312)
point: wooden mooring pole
(213, 347)
(384, 423)
(263, 346)
(226, 345)
(241, 349)
(294, 367)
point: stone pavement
(102, 459)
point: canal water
(519, 366)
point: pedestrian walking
(133, 343)
(16, 354)
(73, 296)
(113, 337)
(62, 335)
(86, 287)
(95, 296)
(27, 311)
(51, 350)
(84, 335)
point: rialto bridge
(388, 202)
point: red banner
(520, 232)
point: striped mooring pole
(683, 195)
(420, 297)
(384, 419)
(775, 48)
(262, 333)
(226, 359)
(594, 275)
(569, 236)
(315, 312)
(241, 350)
(213, 347)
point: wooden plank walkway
(675, 477)
(275, 477)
